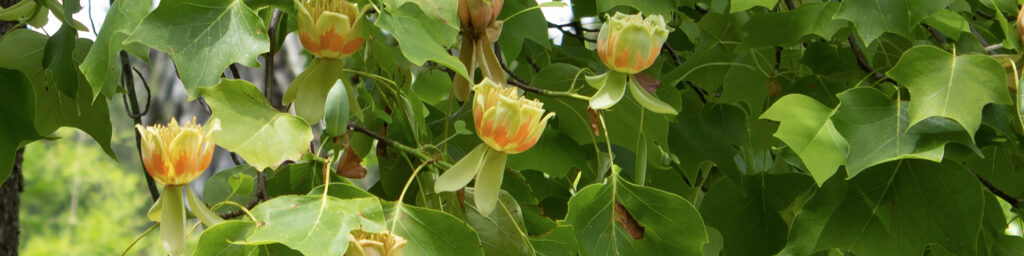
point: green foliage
(763, 127)
(203, 38)
(253, 129)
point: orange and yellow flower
(630, 43)
(505, 121)
(175, 155)
(329, 28)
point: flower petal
(462, 172)
(488, 182)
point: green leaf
(431, 232)
(529, 25)
(660, 7)
(743, 5)
(22, 49)
(714, 134)
(337, 110)
(445, 11)
(949, 23)
(501, 232)
(561, 242)
(998, 167)
(102, 67)
(220, 188)
(432, 86)
(16, 124)
(955, 87)
(893, 209)
(759, 203)
(790, 27)
(421, 37)
(309, 89)
(874, 17)
(253, 129)
(315, 225)
(57, 61)
(220, 239)
(808, 130)
(876, 128)
(203, 37)
(670, 224)
(552, 145)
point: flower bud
(361, 243)
(175, 155)
(630, 43)
(329, 28)
(505, 121)
(477, 15)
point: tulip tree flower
(507, 123)
(175, 155)
(330, 30)
(361, 243)
(628, 44)
(480, 30)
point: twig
(672, 52)
(935, 33)
(861, 61)
(981, 39)
(985, 15)
(239, 212)
(268, 76)
(1014, 202)
(234, 71)
(400, 146)
(572, 25)
(525, 85)
(577, 35)
(790, 5)
(129, 83)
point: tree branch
(128, 80)
(981, 39)
(525, 85)
(1014, 202)
(407, 149)
(576, 27)
(861, 60)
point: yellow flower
(477, 15)
(329, 28)
(630, 43)
(361, 243)
(175, 155)
(505, 121)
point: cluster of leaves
(867, 127)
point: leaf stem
(139, 238)
(401, 197)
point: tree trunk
(11, 189)
(9, 201)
